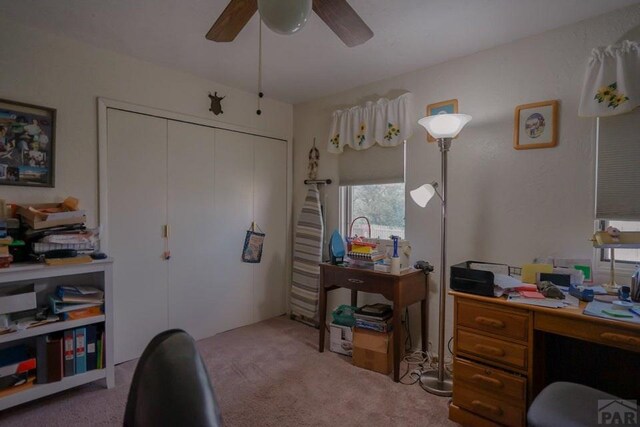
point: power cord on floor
(419, 362)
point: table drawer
(483, 317)
(359, 280)
(490, 379)
(492, 349)
(487, 406)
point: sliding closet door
(137, 201)
(192, 289)
(232, 215)
(270, 207)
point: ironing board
(307, 255)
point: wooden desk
(505, 353)
(402, 290)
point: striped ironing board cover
(307, 255)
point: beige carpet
(267, 374)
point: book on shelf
(79, 294)
(69, 353)
(373, 318)
(55, 361)
(82, 314)
(58, 306)
(374, 311)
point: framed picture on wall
(449, 107)
(27, 136)
(536, 125)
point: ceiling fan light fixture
(284, 16)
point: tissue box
(17, 298)
(341, 339)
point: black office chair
(170, 386)
(566, 404)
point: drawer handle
(487, 349)
(486, 407)
(620, 339)
(487, 380)
(358, 281)
(487, 321)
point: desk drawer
(492, 349)
(487, 406)
(490, 379)
(483, 317)
(590, 329)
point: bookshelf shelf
(50, 328)
(45, 279)
(41, 390)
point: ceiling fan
(289, 16)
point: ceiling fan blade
(233, 19)
(343, 20)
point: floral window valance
(612, 82)
(384, 122)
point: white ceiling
(409, 34)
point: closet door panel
(136, 185)
(232, 215)
(192, 293)
(270, 204)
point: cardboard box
(38, 222)
(373, 350)
(341, 339)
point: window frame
(345, 209)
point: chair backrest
(170, 386)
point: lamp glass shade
(284, 16)
(444, 125)
(423, 194)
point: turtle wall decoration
(216, 103)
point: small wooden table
(403, 290)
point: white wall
(504, 205)
(45, 69)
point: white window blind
(618, 167)
(375, 165)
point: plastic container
(343, 315)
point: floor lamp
(443, 127)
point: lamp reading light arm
(434, 184)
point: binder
(69, 353)
(41, 360)
(92, 355)
(55, 361)
(81, 350)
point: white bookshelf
(46, 278)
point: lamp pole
(438, 382)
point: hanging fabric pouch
(253, 242)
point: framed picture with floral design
(449, 107)
(536, 125)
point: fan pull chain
(260, 94)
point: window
(630, 256)
(382, 204)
